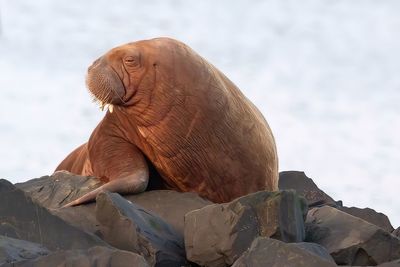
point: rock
(395, 263)
(62, 187)
(82, 217)
(218, 234)
(371, 216)
(93, 257)
(58, 189)
(350, 240)
(14, 250)
(305, 187)
(316, 249)
(129, 227)
(26, 220)
(396, 232)
(170, 205)
(270, 252)
(8, 230)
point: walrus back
(213, 140)
(251, 160)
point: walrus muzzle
(104, 83)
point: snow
(324, 74)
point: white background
(324, 73)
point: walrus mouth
(104, 85)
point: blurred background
(325, 74)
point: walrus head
(125, 72)
(144, 74)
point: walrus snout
(104, 83)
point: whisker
(104, 91)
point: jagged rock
(93, 257)
(130, 227)
(270, 252)
(371, 216)
(62, 187)
(14, 250)
(306, 188)
(396, 232)
(218, 234)
(350, 240)
(31, 222)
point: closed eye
(132, 61)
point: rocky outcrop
(127, 226)
(218, 234)
(270, 252)
(163, 228)
(306, 188)
(351, 240)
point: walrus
(171, 109)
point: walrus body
(170, 106)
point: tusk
(111, 108)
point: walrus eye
(132, 61)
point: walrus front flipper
(135, 183)
(115, 160)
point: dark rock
(14, 250)
(218, 234)
(28, 221)
(270, 252)
(62, 187)
(395, 263)
(396, 232)
(305, 187)
(82, 217)
(170, 205)
(371, 216)
(129, 227)
(316, 249)
(350, 240)
(93, 257)
(58, 189)
(8, 230)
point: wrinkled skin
(181, 113)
